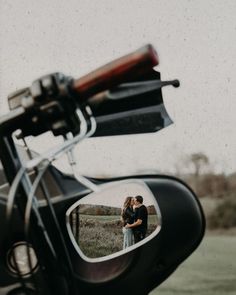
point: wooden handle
(116, 72)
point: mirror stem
(74, 167)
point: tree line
(88, 209)
(209, 185)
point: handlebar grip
(116, 72)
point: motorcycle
(61, 233)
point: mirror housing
(183, 227)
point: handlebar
(116, 72)
(52, 101)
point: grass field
(102, 235)
(210, 270)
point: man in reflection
(139, 226)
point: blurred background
(196, 43)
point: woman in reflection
(127, 217)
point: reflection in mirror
(120, 217)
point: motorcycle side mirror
(179, 229)
(119, 218)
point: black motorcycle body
(182, 230)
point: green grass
(102, 235)
(210, 270)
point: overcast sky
(196, 43)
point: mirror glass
(122, 216)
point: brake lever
(127, 90)
(137, 88)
